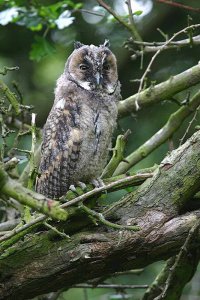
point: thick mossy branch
(123, 181)
(173, 124)
(161, 91)
(181, 270)
(43, 263)
(184, 267)
(158, 284)
(14, 189)
(174, 183)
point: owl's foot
(98, 182)
(82, 185)
(72, 188)
(79, 184)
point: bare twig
(148, 69)
(180, 5)
(184, 42)
(130, 13)
(189, 125)
(111, 286)
(149, 47)
(129, 27)
(103, 221)
(54, 229)
(52, 296)
(17, 123)
(92, 12)
(6, 69)
(20, 229)
(32, 153)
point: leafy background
(38, 37)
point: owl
(78, 131)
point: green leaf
(30, 19)
(40, 48)
(37, 27)
(137, 12)
(78, 5)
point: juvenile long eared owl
(78, 132)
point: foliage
(39, 18)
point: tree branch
(130, 27)
(150, 47)
(158, 284)
(6, 69)
(95, 249)
(112, 286)
(11, 97)
(161, 91)
(148, 69)
(21, 231)
(184, 267)
(27, 197)
(173, 124)
(178, 271)
(180, 5)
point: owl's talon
(72, 188)
(98, 182)
(82, 185)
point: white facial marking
(85, 85)
(60, 104)
(110, 88)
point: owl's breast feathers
(60, 148)
(76, 138)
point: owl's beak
(98, 78)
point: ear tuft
(106, 43)
(78, 45)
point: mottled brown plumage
(79, 128)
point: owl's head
(93, 68)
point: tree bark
(43, 262)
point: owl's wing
(60, 149)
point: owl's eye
(106, 67)
(83, 67)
